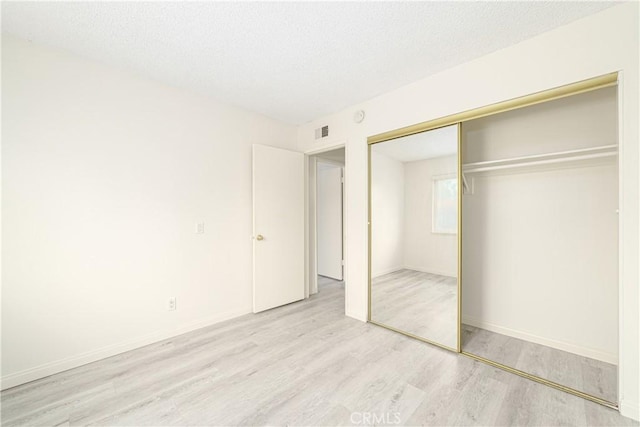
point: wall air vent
(322, 132)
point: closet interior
(540, 241)
(494, 233)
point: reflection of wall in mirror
(387, 206)
(425, 249)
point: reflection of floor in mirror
(422, 304)
(578, 372)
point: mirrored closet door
(540, 241)
(414, 212)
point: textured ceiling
(293, 61)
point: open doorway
(326, 220)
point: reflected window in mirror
(445, 205)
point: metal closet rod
(542, 159)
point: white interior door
(329, 220)
(278, 227)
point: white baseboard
(57, 366)
(383, 272)
(437, 273)
(630, 410)
(560, 345)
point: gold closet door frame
(458, 348)
(583, 86)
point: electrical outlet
(200, 228)
(171, 305)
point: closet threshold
(543, 159)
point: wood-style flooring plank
(581, 373)
(301, 364)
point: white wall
(335, 156)
(540, 258)
(105, 176)
(425, 250)
(593, 46)
(576, 122)
(329, 220)
(387, 201)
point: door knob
(259, 237)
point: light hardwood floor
(301, 364)
(327, 281)
(588, 375)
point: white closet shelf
(543, 159)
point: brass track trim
(410, 335)
(542, 380)
(500, 107)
